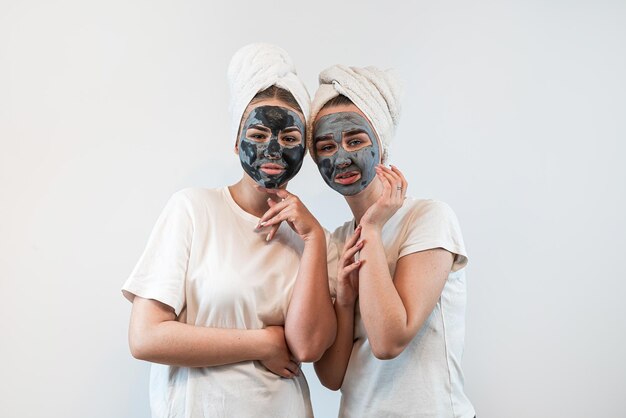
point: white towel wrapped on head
(256, 67)
(374, 91)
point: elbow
(311, 350)
(387, 351)
(308, 354)
(140, 347)
(334, 386)
(330, 381)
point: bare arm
(156, 336)
(393, 311)
(331, 368)
(310, 325)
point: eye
(328, 147)
(256, 135)
(290, 139)
(354, 142)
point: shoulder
(427, 210)
(193, 194)
(430, 224)
(195, 197)
(194, 203)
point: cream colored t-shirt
(426, 379)
(205, 260)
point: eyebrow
(324, 137)
(355, 131)
(260, 128)
(291, 129)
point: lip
(348, 177)
(272, 169)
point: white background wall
(514, 115)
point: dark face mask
(345, 170)
(270, 149)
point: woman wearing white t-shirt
(400, 285)
(224, 307)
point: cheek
(293, 155)
(325, 166)
(365, 158)
(247, 152)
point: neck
(250, 198)
(360, 202)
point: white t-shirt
(205, 260)
(426, 379)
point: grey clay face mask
(348, 172)
(270, 159)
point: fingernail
(267, 238)
(262, 223)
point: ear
(236, 149)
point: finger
(391, 176)
(394, 175)
(394, 180)
(282, 193)
(405, 183)
(285, 215)
(353, 239)
(399, 182)
(354, 279)
(348, 255)
(386, 184)
(272, 232)
(399, 173)
(293, 368)
(352, 267)
(287, 374)
(271, 212)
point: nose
(273, 150)
(343, 162)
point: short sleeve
(433, 224)
(332, 258)
(161, 270)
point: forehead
(273, 117)
(341, 122)
(273, 102)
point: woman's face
(345, 149)
(271, 142)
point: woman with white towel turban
(225, 307)
(400, 284)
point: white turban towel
(256, 67)
(375, 92)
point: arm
(393, 311)
(156, 336)
(331, 368)
(310, 325)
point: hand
(390, 200)
(279, 359)
(292, 210)
(348, 274)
